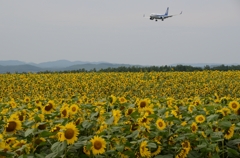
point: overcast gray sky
(114, 31)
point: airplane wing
(169, 16)
(175, 14)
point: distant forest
(179, 68)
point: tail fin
(167, 11)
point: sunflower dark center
(77, 122)
(11, 126)
(42, 127)
(129, 111)
(193, 128)
(143, 104)
(97, 145)
(20, 117)
(144, 120)
(160, 124)
(38, 141)
(64, 112)
(185, 145)
(234, 105)
(74, 108)
(48, 107)
(200, 119)
(69, 133)
(110, 99)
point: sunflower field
(125, 115)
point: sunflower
(98, 145)
(194, 127)
(40, 140)
(74, 109)
(144, 152)
(157, 151)
(69, 133)
(19, 143)
(148, 110)
(186, 145)
(200, 118)
(234, 105)
(122, 100)
(64, 112)
(182, 154)
(57, 128)
(10, 140)
(117, 115)
(190, 108)
(225, 111)
(129, 111)
(229, 133)
(144, 121)
(47, 109)
(134, 127)
(143, 103)
(203, 134)
(13, 104)
(161, 125)
(87, 152)
(12, 126)
(112, 99)
(184, 123)
(26, 99)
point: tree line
(166, 68)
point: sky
(116, 31)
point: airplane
(162, 17)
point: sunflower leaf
(55, 146)
(52, 155)
(212, 117)
(164, 156)
(225, 124)
(152, 145)
(120, 148)
(233, 142)
(28, 132)
(233, 153)
(110, 120)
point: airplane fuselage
(158, 16)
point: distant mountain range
(59, 65)
(62, 65)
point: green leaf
(134, 114)
(215, 156)
(52, 155)
(46, 134)
(55, 146)
(152, 145)
(233, 153)
(86, 124)
(133, 134)
(28, 132)
(120, 148)
(213, 117)
(39, 156)
(110, 120)
(63, 146)
(225, 124)
(93, 115)
(29, 123)
(203, 145)
(164, 156)
(37, 119)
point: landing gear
(156, 20)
